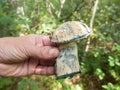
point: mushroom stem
(67, 63)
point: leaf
(111, 61)
(100, 73)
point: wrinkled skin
(26, 55)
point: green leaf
(111, 61)
(100, 73)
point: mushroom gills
(67, 63)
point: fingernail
(52, 51)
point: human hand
(26, 55)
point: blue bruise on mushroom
(67, 62)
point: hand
(26, 55)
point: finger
(19, 69)
(47, 62)
(42, 40)
(55, 45)
(15, 70)
(44, 70)
(44, 52)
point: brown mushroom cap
(70, 31)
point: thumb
(44, 52)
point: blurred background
(99, 54)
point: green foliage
(26, 83)
(5, 83)
(100, 69)
(110, 86)
(8, 24)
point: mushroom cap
(70, 31)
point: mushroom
(66, 35)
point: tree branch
(77, 8)
(91, 27)
(62, 2)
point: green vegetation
(100, 63)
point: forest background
(99, 54)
